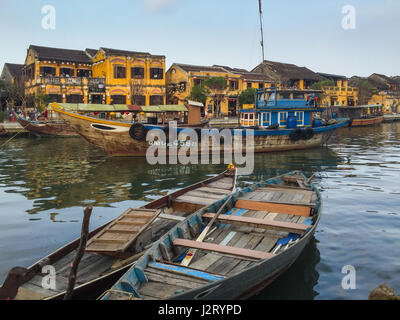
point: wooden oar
(310, 179)
(189, 256)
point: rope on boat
(1, 146)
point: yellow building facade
(61, 74)
(130, 77)
(182, 78)
(340, 95)
(390, 103)
(95, 76)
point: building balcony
(96, 84)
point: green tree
(41, 101)
(217, 83)
(320, 85)
(199, 93)
(365, 92)
(247, 96)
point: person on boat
(35, 114)
(45, 115)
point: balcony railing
(97, 84)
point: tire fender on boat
(138, 131)
(308, 134)
(296, 135)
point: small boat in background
(362, 116)
(113, 247)
(47, 128)
(230, 250)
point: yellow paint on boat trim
(59, 109)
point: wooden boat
(47, 128)
(262, 232)
(367, 121)
(123, 139)
(362, 116)
(113, 247)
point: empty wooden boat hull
(366, 122)
(114, 138)
(99, 282)
(139, 281)
(50, 128)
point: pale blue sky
(307, 33)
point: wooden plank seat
(260, 223)
(189, 272)
(120, 234)
(298, 210)
(196, 200)
(260, 199)
(240, 252)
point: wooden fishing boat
(362, 116)
(367, 121)
(113, 247)
(123, 139)
(262, 231)
(47, 128)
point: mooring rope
(23, 128)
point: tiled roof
(248, 75)
(14, 69)
(91, 52)
(286, 71)
(117, 52)
(194, 68)
(332, 76)
(47, 53)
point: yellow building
(341, 94)
(181, 78)
(130, 77)
(95, 76)
(64, 75)
(390, 103)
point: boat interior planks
(115, 246)
(122, 232)
(239, 238)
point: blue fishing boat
(288, 119)
(231, 249)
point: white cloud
(161, 5)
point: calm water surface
(45, 183)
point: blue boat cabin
(281, 109)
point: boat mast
(262, 33)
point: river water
(46, 182)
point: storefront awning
(120, 107)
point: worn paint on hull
(47, 128)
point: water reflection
(44, 183)
(298, 282)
